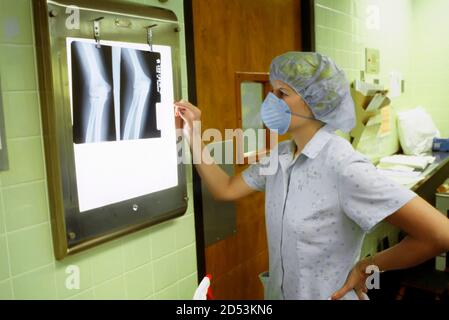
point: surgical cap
(320, 83)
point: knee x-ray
(140, 94)
(123, 122)
(93, 104)
(115, 91)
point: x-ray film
(124, 131)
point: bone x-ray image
(93, 104)
(124, 133)
(139, 94)
(115, 91)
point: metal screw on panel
(53, 13)
(135, 208)
(72, 235)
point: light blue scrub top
(318, 208)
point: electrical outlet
(372, 63)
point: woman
(324, 196)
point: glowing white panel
(113, 171)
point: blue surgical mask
(276, 114)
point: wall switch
(440, 263)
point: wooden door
(233, 36)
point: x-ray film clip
(97, 31)
(150, 36)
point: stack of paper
(378, 101)
(367, 89)
(402, 177)
(406, 170)
(416, 162)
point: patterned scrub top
(318, 208)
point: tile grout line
(7, 247)
(337, 11)
(176, 251)
(21, 91)
(342, 50)
(22, 184)
(92, 281)
(25, 138)
(122, 253)
(17, 45)
(28, 227)
(14, 277)
(340, 31)
(77, 294)
(150, 248)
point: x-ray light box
(123, 120)
(110, 132)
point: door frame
(308, 43)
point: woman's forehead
(278, 85)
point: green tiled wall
(156, 263)
(430, 48)
(342, 33)
(411, 39)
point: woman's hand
(356, 281)
(189, 114)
